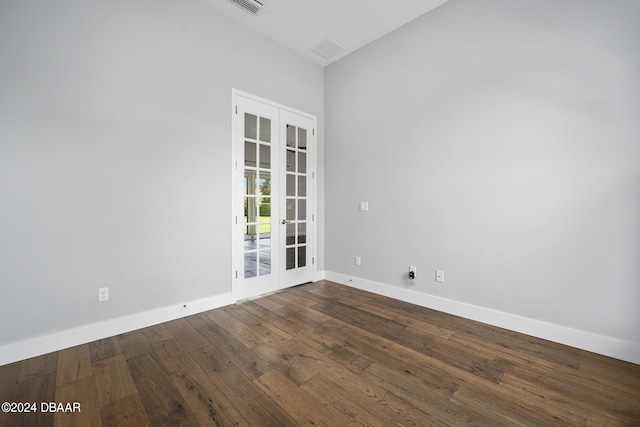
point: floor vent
(251, 6)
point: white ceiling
(301, 25)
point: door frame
(237, 180)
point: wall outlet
(358, 260)
(413, 272)
(103, 294)
(439, 276)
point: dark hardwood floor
(324, 354)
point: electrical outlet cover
(103, 294)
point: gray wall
(115, 154)
(499, 141)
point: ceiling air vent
(327, 49)
(251, 6)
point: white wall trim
(37, 346)
(608, 346)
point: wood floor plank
(363, 320)
(208, 402)
(348, 358)
(560, 401)
(113, 380)
(303, 407)
(126, 412)
(294, 361)
(432, 398)
(291, 299)
(74, 364)
(133, 344)
(402, 318)
(173, 357)
(368, 406)
(249, 399)
(104, 348)
(325, 354)
(265, 303)
(188, 336)
(304, 316)
(241, 332)
(620, 375)
(38, 366)
(8, 379)
(297, 326)
(556, 405)
(156, 333)
(83, 393)
(251, 363)
(580, 389)
(163, 403)
(460, 355)
(34, 390)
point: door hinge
(313, 174)
(313, 260)
(236, 274)
(236, 110)
(313, 217)
(314, 132)
(236, 220)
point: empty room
(330, 212)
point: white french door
(273, 196)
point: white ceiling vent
(251, 6)
(327, 49)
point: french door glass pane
(302, 186)
(302, 232)
(296, 194)
(250, 126)
(264, 262)
(302, 138)
(302, 162)
(291, 185)
(265, 129)
(291, 136)
(291, 210)
(265, 156)
(291, 258)
(302, 210)
(250, 260)
(257, 200)
(291, 161)
(302, 256)
(264, 238)
(250, 154)
(291, 234)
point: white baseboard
(37, 346)
(608, 346)
(320, 275)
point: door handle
(284, 221)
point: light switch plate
(364, 206)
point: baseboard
(319, 275)
(612, 347)
(37, 346)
